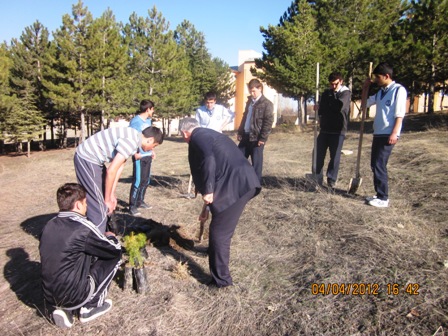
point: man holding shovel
(333, 112)
(227, 182)
(390, 103)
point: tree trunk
(28, 148)
(64, 134)
(82, 135)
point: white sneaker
(379, 203)
(370, 198)
(63, 318)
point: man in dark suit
(227, 182)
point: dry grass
(289, 238)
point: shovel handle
(364, 96)
(204, 216)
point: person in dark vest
(226, 181)
(333, 112)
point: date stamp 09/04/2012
(364, 289)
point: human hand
(260, 143)
(393, 139)
(111, 204)
(137, 156)
(208, 198)
(239, 137)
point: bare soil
(307, 261)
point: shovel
(314, 176)
(189, 194)
(204, 217)
(356, 182)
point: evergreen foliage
(133, 243)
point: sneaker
(89, 314)
(376, 202)
(144, 205)
(63, 318)
(370, 198)
(134, 211)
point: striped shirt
(103, 146)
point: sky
(228, 25)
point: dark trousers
(93, 290)
(333, 143)
(102, 273)
(251, 148)
(222, 227)
(381, 150)
(140, 180)
(92, 177)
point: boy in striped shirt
(113, 146)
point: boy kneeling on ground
(78, 261)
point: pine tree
(26, 83)
(224, 85)
(106, 64)
(424, 37)
(200, 62)
(68, 72)
(292, 49)
(355, 33)
(7, 102)
(158, 66)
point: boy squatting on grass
(78, 261)
(113, 146)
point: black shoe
(144, 205)
(89, 314)
(331, 184)
(63, 318)
(134, 211)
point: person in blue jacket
(142, 161)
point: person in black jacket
(227, 182)
(333, 112)
(256, 125)
(78, 261)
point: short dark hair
(68, 194)
(153, 132)
(254, 83)
(210, 95)
(144, 105)
(383, 68)
(335, 76)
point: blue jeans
(381, 150)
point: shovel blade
(355, 183)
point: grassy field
(308, 262)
